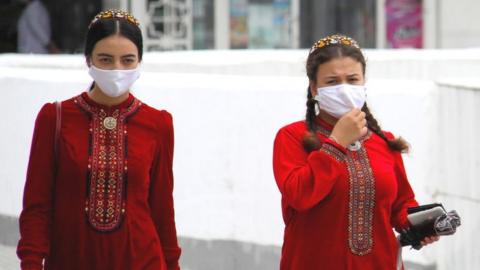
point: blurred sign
(238, 24)
(282, 32)
(404, 23)
(260, 24)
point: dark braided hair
(323, 55)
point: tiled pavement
(8, 258)
(9, 261)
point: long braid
(310, 140)
(311, 114)
(398, 144)
(322, 52)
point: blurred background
(232, 73)
(262, 24)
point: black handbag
(428, 220)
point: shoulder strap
(58, 124)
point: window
(319, 18)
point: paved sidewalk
(8, 258)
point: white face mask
(339, 99)
(114, 83)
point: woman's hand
(350, 127)
(429, 240)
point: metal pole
(295, 23)
(222, 24)
(430, 23)
(108, 4)
(381, 33)
(438, 28)
(129, 6)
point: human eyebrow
(104, 55)
(354, 78)
(353, 75)
(330, 77)
(129, 56)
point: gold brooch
(115, 14)
(110, 122)
(333, 40)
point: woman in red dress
(99, 195)
(341, 177)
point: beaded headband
(115, 14)
(334, 40)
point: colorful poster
(260, 26)
(238, 24)
(282, 23)
(404, 23)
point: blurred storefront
(220, 24)
(215, 24)
(265, 24)
(252, 24)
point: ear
(88, 61)
(313, 88)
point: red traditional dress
(339, 206)
(105, 202)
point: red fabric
(315, 202)
(53, 223)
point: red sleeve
(304, 179)
(161, 193)
(36, 217)
(405, 196)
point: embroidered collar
(93, 104)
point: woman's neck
(98, 96)
(327, 118)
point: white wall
(227, 107)
(459, 24)
(455, 180)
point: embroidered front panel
(361, 197)
(361, 202)
(107, 165)
(333, 151)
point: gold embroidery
(107, 164)
(361, 197)
(361, 202)
(333, 151)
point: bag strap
(58, 123)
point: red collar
(122, 105)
